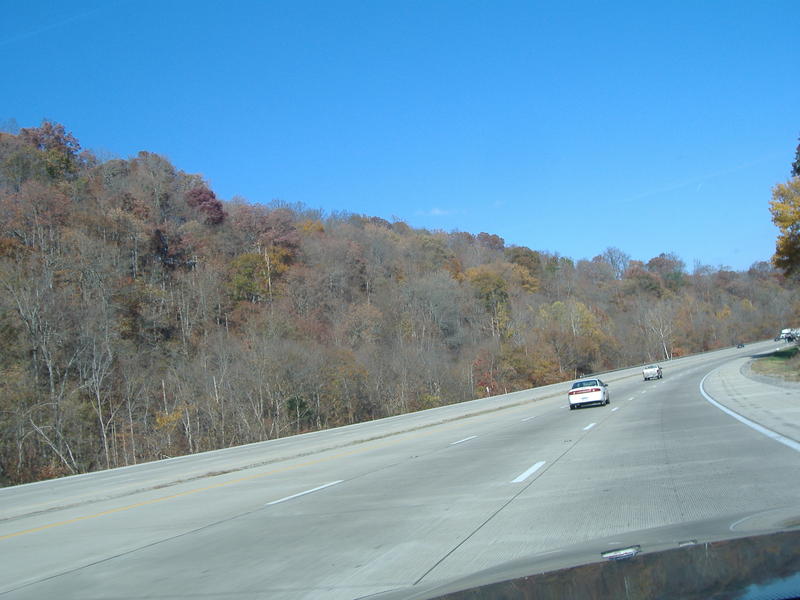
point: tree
(492, 290)
(19, 162)
(658, 323)
(666, 264)
(490, 240)
(248, 278)
(526, 258)
(59, 147)
(796, 163)
(785, 209)
(617, 259)
(204, 200)
(670, 268)
(575, 334)
(638, 280)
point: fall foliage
(785, 209)
(143, 317)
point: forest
(142, 317)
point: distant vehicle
(740, 345)
(588, 391)
(652, 372)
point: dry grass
(784, 364)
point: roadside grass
(784, 364)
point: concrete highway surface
(415, 499)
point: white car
(652, 372)
(588, 391)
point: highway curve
(409, 500)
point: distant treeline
(142, 317)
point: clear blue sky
(562, 126)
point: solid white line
(523, 476)
(466, 439)
(615, 409)
(774, 435)
(733, 525)
(529, 418)
(316, 489)
(589, 426)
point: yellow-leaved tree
(785, 209)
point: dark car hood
(749, 556)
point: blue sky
(563, 126)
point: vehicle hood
(752, 556)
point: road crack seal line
(680, 502)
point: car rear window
(585, 383)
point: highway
(410, 500)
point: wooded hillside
(143, 317)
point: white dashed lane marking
(293, 496)
(524, 475)
(466, 439)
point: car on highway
(588, 391)
(652, 372)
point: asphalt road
(409, 500)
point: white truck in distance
(651, 372)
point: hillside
(143, 317)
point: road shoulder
(771, 403)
